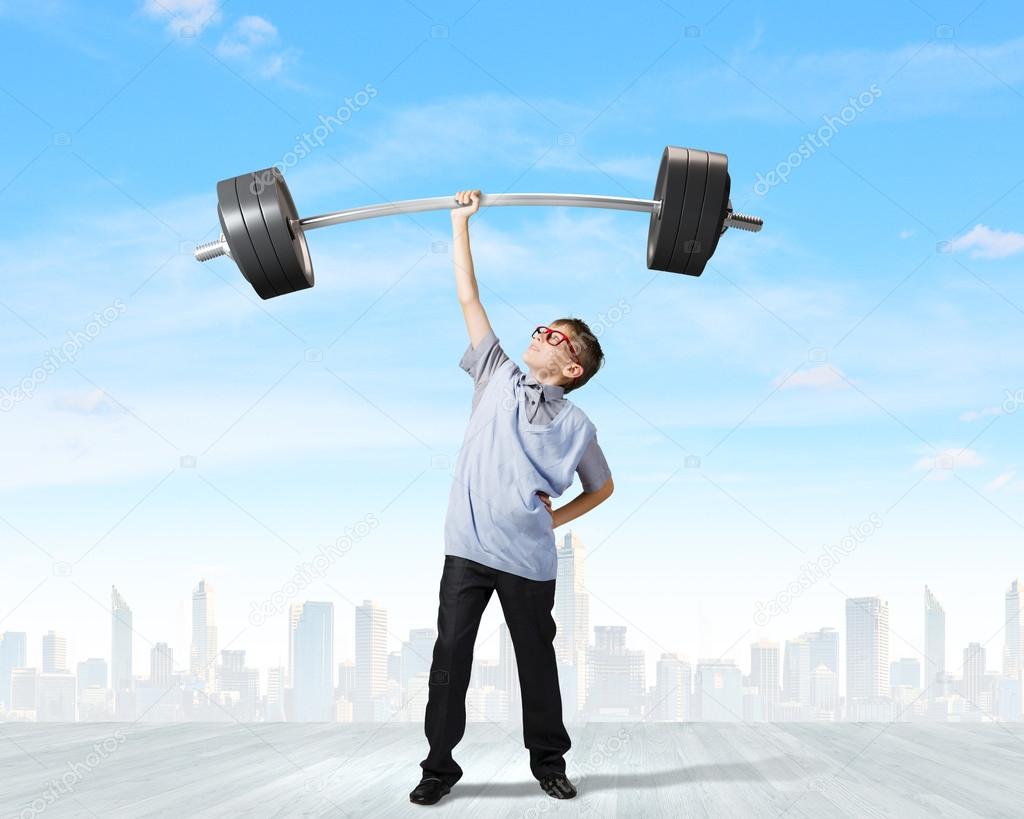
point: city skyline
(796, 677)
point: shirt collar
(550, 392)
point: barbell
(262, 232)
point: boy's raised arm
(477, 323)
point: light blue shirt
(495, 516)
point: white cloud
(192, 16)
(1000, 481)
(985, 243)
(91, 402)
(974, 415)
(254, 40)
(823, 376)
(247, 34)
(945, 462)
(906, 234)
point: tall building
(617, 685)
(905, 671)
(867, 648)
(371, 660)
(572, 619)
(203, 653)
(92, 673)
(796, 671)
(1013, 631)
(313, 659)
(934, 645)
(764, 675)
(346, 687)
(824, 692)
(672, 690)
(24, 691)
(13, 654)
(242, 683)
(417, 656)
(718, 691)
(161, 665)
(120, 644)
(294, 613)
(823, 646)
(974, 682)
(56, 697)
(55, 653)
(273, 710)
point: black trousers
(466, 588)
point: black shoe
(428, 791)
(558, 786)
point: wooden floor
(114, 770)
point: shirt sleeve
(482, 361)
(593, 468)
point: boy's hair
(588, 349)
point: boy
(523, 444)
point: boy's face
(550, 363)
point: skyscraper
(13, 651)
(120, 643)
(974, 677)
(274, 701)
(796, 671)
(313, 688)
(823, 646)
(161, 665)
(55, 653)
(934, 645)
(617, 685)
(867, 648)
(572, 619)
(203, 654)
(824, 696)
(1013, 645)
(294, 613)
(764, 674)
(905, 671)
(718, 691)
(92, 673)
(417, 656)
(672, 690)
(371, 660)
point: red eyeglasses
(556, 337)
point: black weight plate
(669, 190)
(693, 202)
(712, 213)
(252, 213)
(289, 242)
(721, 218)
(237, 237)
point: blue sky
(820, 370)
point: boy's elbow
(607, 489)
